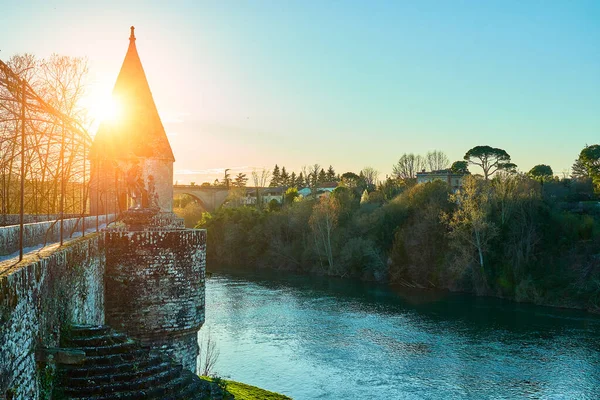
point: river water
(319, 338)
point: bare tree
(56, 133)
(370, 175)
(408, 165)
(208, 354)
(322, 221)
(436, 160)
(311, 174)
(471, 224)
(260, 179)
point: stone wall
(44, 232)
(37, 297)
(155, 288)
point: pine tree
(240, 180)
(330, 174)
(300, 181)
(275, 177)
(293, 182)
(322, 177)
(313, 180)
(285, 178)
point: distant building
(267, 194)
(453, 180)
(322, 190)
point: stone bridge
(209, 197)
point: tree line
(525, 236)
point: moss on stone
(242, 391)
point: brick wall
(39, 295)
(155, 288)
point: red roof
(138, 131)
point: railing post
(83, 196)
(97, 191)
(62, 180)
(22, 205)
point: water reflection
(330, 338)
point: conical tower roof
(138, 130)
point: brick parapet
(37, 297)
(155, 288)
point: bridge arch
(210, 197)
(194, 198)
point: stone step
(112, 376)
(95, 340)
(91, 370)
(171, 389)
(77, 331)
(111, 349)
(117, 367)
(158, 380)
(135, 354)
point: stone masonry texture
(37, 297)
(155, 288)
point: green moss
(241, 391)
(46, 380)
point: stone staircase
(117, 367)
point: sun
(106, 108)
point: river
(320, 338)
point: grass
(241, 391)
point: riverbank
(242, 391)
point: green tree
(331, 174)
(490, 159)
(240, 180)
(285, 178)
(300, 181)
(274, 205)
(590, 159)
(390, 188)
(579, 171)
(322, 177)
(350, 179)
(460, 167)
(541, 173)
(293, 181)
(275, 177)
(291, 194)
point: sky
(248, 84)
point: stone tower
(131, 152)
(155, 269)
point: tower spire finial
(132, 36)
